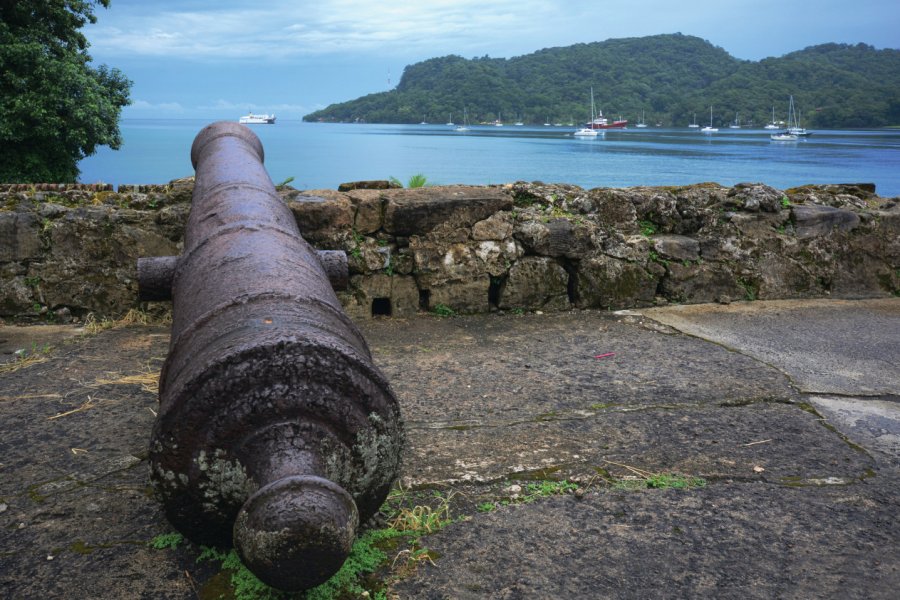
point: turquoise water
(324, 155)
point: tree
(55, 108)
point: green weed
(647, 228)
(167, 540)
(284, 183)
(442, 310)
(416, 181)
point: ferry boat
(251, 119)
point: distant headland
(667, 79)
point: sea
(323, 155)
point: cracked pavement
(788, 409)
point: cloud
(229, 106)
(281, 29)
(163, 107)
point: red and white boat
(601, 122)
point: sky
(223, 58)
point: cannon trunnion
(275, 429)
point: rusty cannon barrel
(275, 430)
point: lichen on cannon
(275, 429)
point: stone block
(604, 282)
(676, 247)
(322, 216)
(368, 210)
(20, 236)
(463, 296)
(497, 227)
(812, 220)
(418, 211)
(533, 282)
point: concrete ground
(789, 411)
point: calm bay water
(324, 155)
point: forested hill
(669, 77)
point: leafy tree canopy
(669, 77)
(55, 108)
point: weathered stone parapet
(520, 246)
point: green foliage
(415, 181)
(442, 310)
(542, 489)
(661, 481)
(285, 182)
(167, 540)
(785, 202)
(647, 228)
(671, 480)
(56, 107)
(671, 77)
(365, 557)
(750, 289)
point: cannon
(275, 431)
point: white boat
(783, 137)
(694, 124)
(251, 119)
(793, 123)
(465, 125)
(737, 122)
(641, 125)
(796, 129)
(709, 128)
(588, 131)
(450, 122)
(772, 124)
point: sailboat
(789, 135)
(710, 128)
(587, 131)
(796, 129)
(737, 122)
(465, 125)
(772, 124)
(694, 125)
(641, 125)
(450, 122)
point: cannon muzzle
(275, 429)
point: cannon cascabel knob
(295, 533)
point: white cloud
(164, 107)
(280, 29)
(229, 106)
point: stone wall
(523, 246)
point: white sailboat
(693, 124)
(789, 135)
(772, 124)
(796, 129)
(737, 122)
(465, 125)
(641, 125)
(587, 131)
(709, 128)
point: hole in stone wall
(496, 284)
(425, 300)
(571, 283)
(381, 307)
